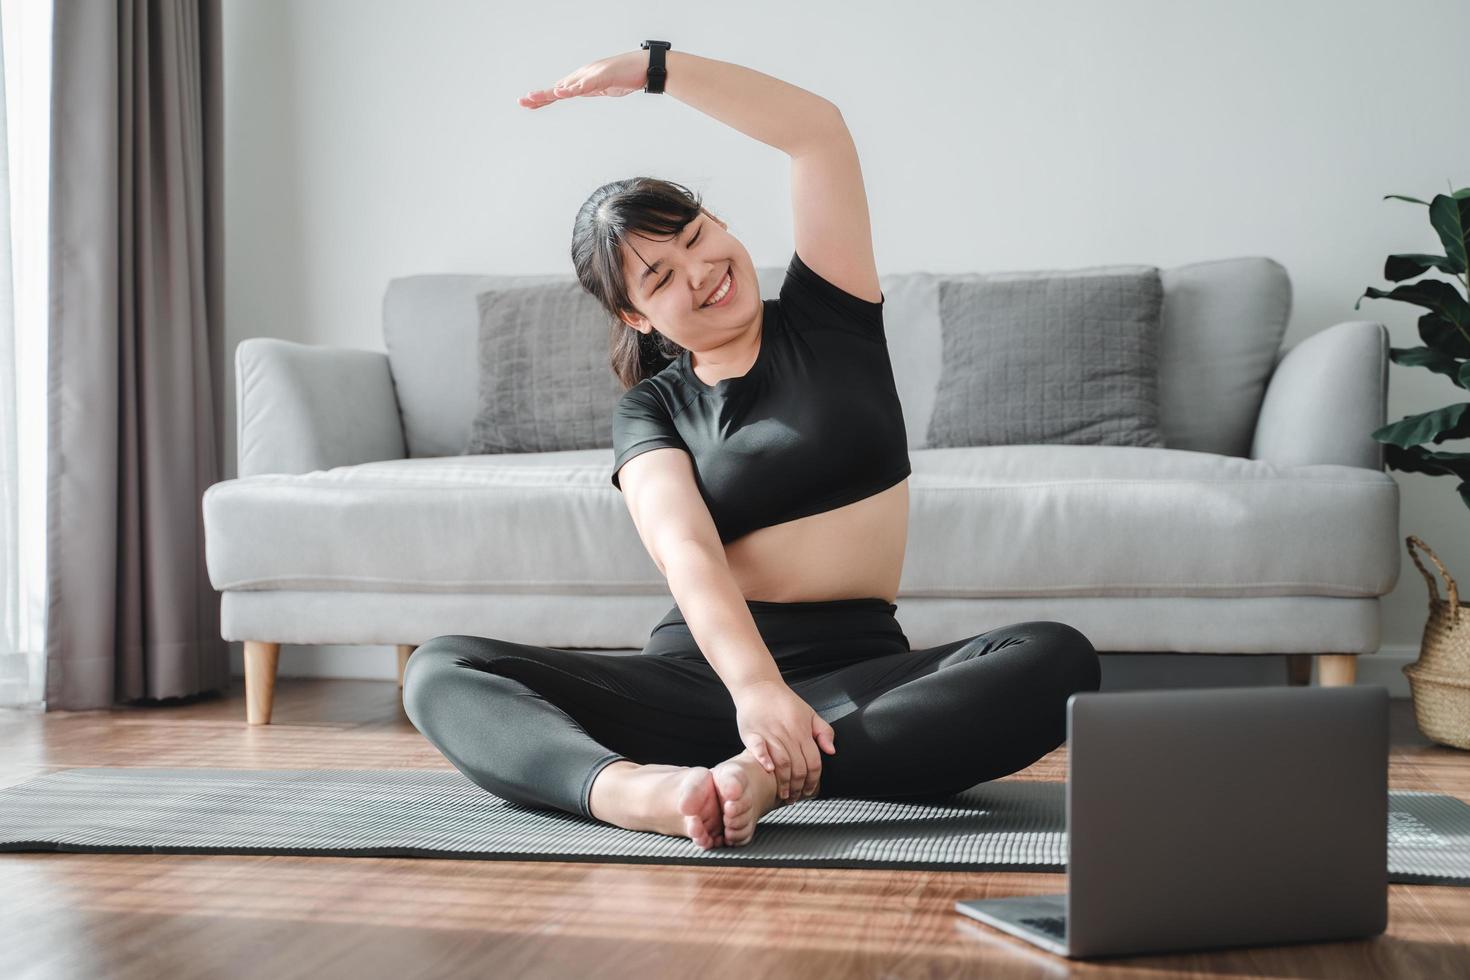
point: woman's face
(687, 269)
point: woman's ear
(638, 323)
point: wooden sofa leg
(1298, 669)
(405, 650)
(260, 680)
(1337, 669)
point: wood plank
(256, 915)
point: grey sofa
(1268, 525)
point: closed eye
(671, 274)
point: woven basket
(1440, 678)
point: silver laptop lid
(1226, 816)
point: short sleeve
(828, 305)
(640, 423)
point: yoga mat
(1014, 825)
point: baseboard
(381, 663)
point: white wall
(368, 140)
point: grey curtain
(135, 351)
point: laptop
(1213, 818)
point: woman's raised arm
(777, 113)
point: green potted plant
(1440, 679)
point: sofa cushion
(1065, 357)
(1222, 327)
(431, 326)
(1222, 320)
(544, 380)
(1048, 520)
(1220, 335)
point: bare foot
(676, 800)
(747, 793)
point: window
(26, 28)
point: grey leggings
(535, 725)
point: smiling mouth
(729, 275)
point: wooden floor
(125, 915)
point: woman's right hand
(617, 76)
(783, 733)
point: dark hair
(651, 207)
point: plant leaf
(1435, 360)
(1450, 422)
(1417, 459)
(1451, 218)
(1442, 336)
(1432, 294)
(1400, 267)
(1401, 197)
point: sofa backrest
(1223, 321)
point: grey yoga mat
(1015, 825)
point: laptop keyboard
(1053, 925)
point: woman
(760, 449)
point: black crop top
(813, 425)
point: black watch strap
(658, 72)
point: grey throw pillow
(545, 382)
(1049, 357)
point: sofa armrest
(301, 408)
(1327, 395)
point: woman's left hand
(619, 75)
(784, 735)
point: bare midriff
(852, 552)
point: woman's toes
(736, 817)
(697, 796)
(731, 783)
(695, 788)
(735, 805)
(695, 830)
(699, 804)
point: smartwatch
(657, 72)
